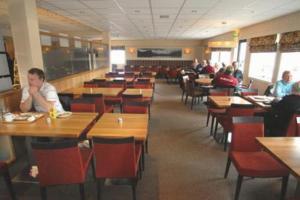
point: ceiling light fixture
(224, 22)
(137, 11)
(194, 11)
(164, 16)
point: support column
(25, 32)
(106, 40)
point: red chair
(65, 100)
(248, 157)
(134, 104)
(193, 92)
(172, 74)
(226, 119)
(143, 83)
(249, 92)
(61, 163)
(98, 100)
(90, 84)
(117, 158)
(293, 127)
(83, 105)
(100, 82)
(212, 110)
(117, 84)
(5, 173)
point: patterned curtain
(263, 44)
(290, 41)
(220, 49)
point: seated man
(284, 86)
(208, 69)
(225, 79)
(276, 121)
(238, 74)
(39, 94)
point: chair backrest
(118, 84)
(98, 100)
(114, 158)
(58, 162)
(268, 91)
(244, 132)
(65, 100)
(83, 105)
(90, 84)
(249, 91)
(132, 97)
(145, 85)
(293, 126)
(230, 90)
(218, 92)
(100, 82)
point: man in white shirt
(39, 94)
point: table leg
(297, 192)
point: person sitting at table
(208, 69)
(225, 79)
(196, 66)
(39, 94)
(238, 74)
(277, 120)
(283, 87)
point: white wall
(278, 25)
(194, 45)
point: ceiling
(161, 19)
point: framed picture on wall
(159, 52)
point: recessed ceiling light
(194, 11)
(224, 22)
(137, 11)
(164, 16)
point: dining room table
(285, 150)
(227, 101)
(107, 92)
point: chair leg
(99, 189)
(207, 118)
(9, 184)
(212, 125)
(238, 187)
(143, 157)
(182, 96)
(133, 186)
(186, 97)
(216, 128)
(43, 193)
(227, 167)
(193, 99)
(81, 190)
(225, 141)
(284, 185)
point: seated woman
(277, 120)
(284, 86)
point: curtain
(263, 44)
(290, 41)
(118, 47)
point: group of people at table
(285, 91)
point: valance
(118, 47)
(263, 44)
(220, 49)
(290, 41)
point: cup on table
(9, 117)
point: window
(290, 61)
(220, 56)
(262, 65)
(242, 54)
(118, 57)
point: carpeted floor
(183, 163)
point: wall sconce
(207, 51)
(131, 50)
(187, 51)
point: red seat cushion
(257, 164)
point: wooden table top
(226, 101)
(148, 93)
(285, 149)
(133, 125)
(71, 126)
(260, 100)
(204, 81)
(104, 91)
